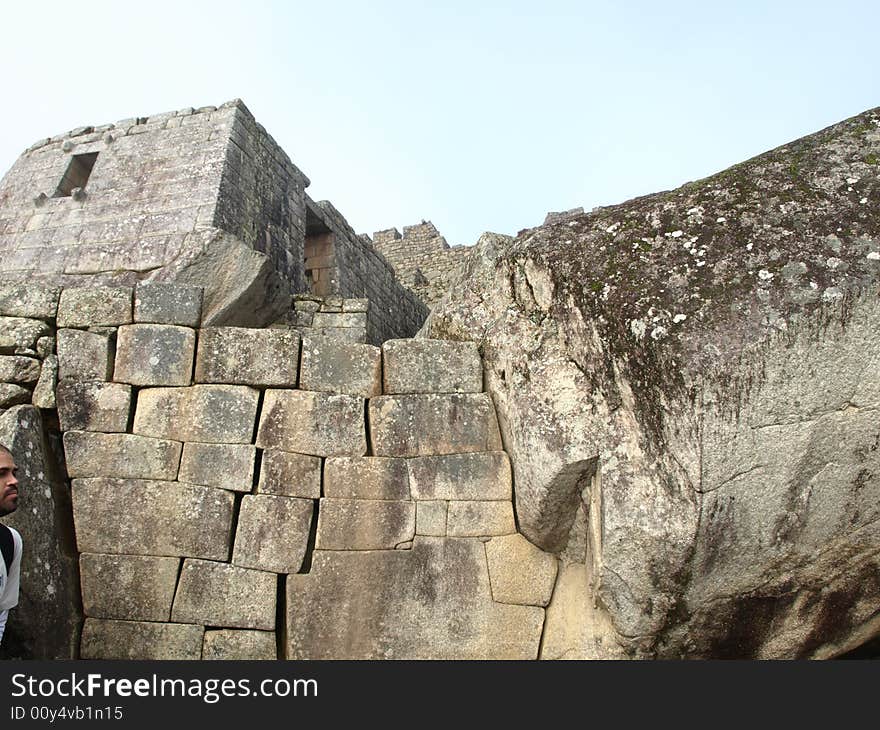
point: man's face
(8, 484)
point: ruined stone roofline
(163, 120)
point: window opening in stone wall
(77, 174)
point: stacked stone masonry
(422, 258)
(204, 197)
(216, 471)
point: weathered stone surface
(431, 602)
(93, 406)
(168, 304)
(20, 333)
(148, 517)
(576, 626)
(361, 524)
(416, 425)
(154, 354)
(208, 413)
(329, 320)
(334, 366)
(45, 347)
(219, 594)
(267, 357)
(321, 424)
(366, 477)
(44, 391)
(94, 306)
(19, 369)
(13, 395)
(235, 645)
(289, 475)
(272, 533)
(28, 300)
(520, 572)
(431, 366)
(431, 518)
(696, 368)
(109, 639)
(461, 476)
(241, 287)
(228, 466)
(477, 519)
(120, 455)
(128, 587)
(84, 355)
(46, 622)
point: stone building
(648, 431)
(199, 196)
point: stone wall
(200, 197)
(261, 197)
(256, 494)
(153, 183)
(361, 271)
(422, 259)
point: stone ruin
(602, 442)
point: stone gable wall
(422, 258)
(153, 184)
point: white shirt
(9, 582)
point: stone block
(19, 369)
(44, 391)
(148, 517)
(13, 395)
(286, 474)
(84, 355)
(417, 425)
(109, 639)
(27, 300)
(45, 346)
(227, 466)
(265, 357)
(207, 413)
(273, 533)
(353, 320)
(93, 406)
(480, 519)
(344, 334)
(431, 366)
(239, 645)
(359, 524)
(431, 518)
(366, 477)
(223, 595)
(473, 476)
(332, 365)
(120, 455)
(320, 424)
(430, 602)
(168, 304)
(129, 587)
(154, 354)
(355, 305)
(520, 572)
(94, 306)
(20, 333)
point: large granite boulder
(688, 384)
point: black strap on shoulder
(7, 546)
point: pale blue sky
(477, 116)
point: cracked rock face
(688, 384)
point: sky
(475, 116)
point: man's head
(8, 482)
